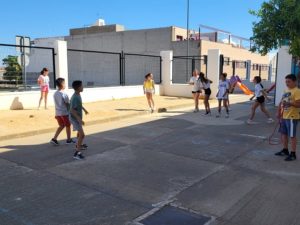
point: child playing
(288, 112)
(222, 95)
(62, 104)
(44, 81)
(196, 89)
(207, 91)
(260, 97)
(76, 117)
(149, 90)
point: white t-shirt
(258, 90)
(197, 83)
(205, 85)
(44, 80)
(223, 87)
(61, 100)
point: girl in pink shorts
(44, 81)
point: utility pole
(188, 39)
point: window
(179, 38)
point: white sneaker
(227, 115)
(250, 122)
(196, 110)
(270, 120)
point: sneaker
(71, 141)
(270, 120)
(227, 115)
(78, 156)
(207, 114)
(152, 110)
(291, 157)
(54, 142)
(83, 147)
(250, 122)
(196, 110)
(218, 115)
(283, 152)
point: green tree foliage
(278, 24)
(13, 70)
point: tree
(279, 24)
(12, 68)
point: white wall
(284, 66)
(29, 100)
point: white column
(61, 60)
(284, 66)
(213, 69)
(166, 70)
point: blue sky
(36, 18)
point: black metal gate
(183, 67)
(20, 66)
(101, 69)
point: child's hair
(257, 79)
(44, 70)
(291, 77)
(202, 78)
(76, 84)
(224, 75)
(59, 82)
(148, 75)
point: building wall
(237, 54)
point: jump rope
(272, 140)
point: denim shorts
(288, 127)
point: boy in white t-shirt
(222, 95)
(62, 105)
(196, 89)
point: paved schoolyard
(221, 169)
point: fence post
(284, 65)
(61, 60)
(249, 67)
(233, 67)
(213, 68)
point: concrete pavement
(222, 170)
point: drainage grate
(170, 215)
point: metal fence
(102, 69)
(244, 69)
(20, 66)
(183, 67)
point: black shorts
(194, 92)
(207, 91)
(260, 99)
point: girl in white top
(260, 97)
(196, 89)
(43, 82)
(207, 91)
(222, 95)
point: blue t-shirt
(76, 104)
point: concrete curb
(89, 123)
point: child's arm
(265, 94)
(75, 114)
(252, 97)
(85, 111)
(279, 110)
(153, 85)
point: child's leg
(225, 103)
(68, 130)
(46, 99)
(197, 100)
(152, 101)
(285, 141)
(253, 109)
(148, 100)
(41, 98)
(264, 110)
(220, 105)
(80, 136)
(58, 131)
(294, 144)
